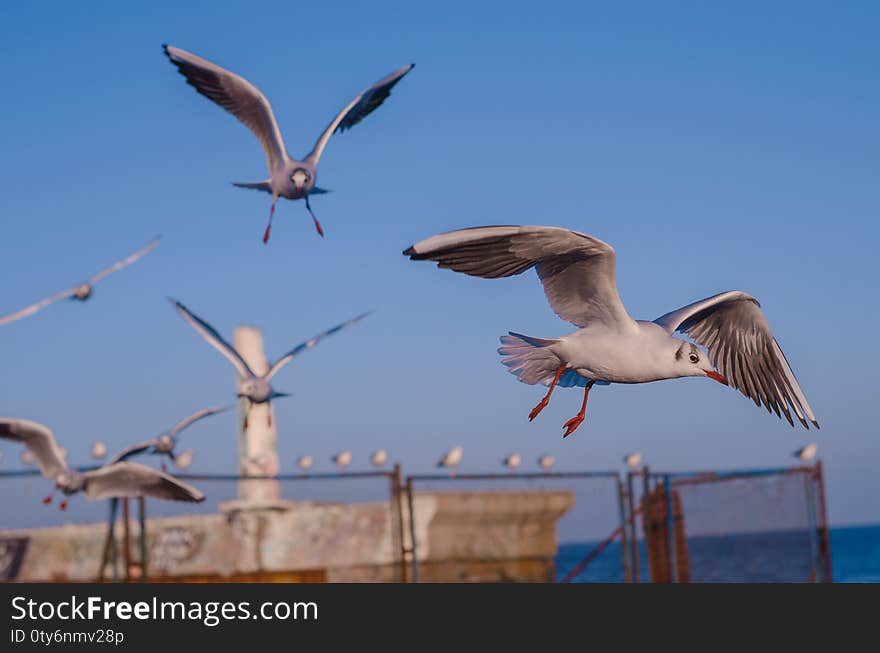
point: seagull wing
(33, 308)
(128, 260)
(195, 417)
(577, 270)
(213, 338)
(133, 450)
(358, 109)
(741, 346)
(311, 342)
(125, 479)
(39, 440)
(238, 96)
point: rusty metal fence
(766, 525)
(513, 526)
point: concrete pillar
(257, 450)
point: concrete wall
(462, 536)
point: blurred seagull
(288, 177)
(99, 450)
(257, 389)
(305, 463)
(807, 453)
(513, 461)
(633, 460)
(28, 458)
(379, 458)
(163, 445)
(578, 275)
(451, 458)
(342, 460)
(183, 460)
(111, 481)
(546, 462)
(81, 291)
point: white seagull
(452, 457)
(288, 177)
(99, 450)
(163, 445)
(80, 291)
(122, 479)
(342, 460)
(578, 275)
(807, 453)
(379, 458)
(305, 463)
(513, 461)
(633, 460)
(257, 389)
(546, 462)
(184, 459)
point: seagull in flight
(163, 445)
(258, 389)
(578, 275)
(110, 481)
(80, 291)
(288, 177)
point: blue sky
(715, 147)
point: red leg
(269, 226)
(546, 400)
(578, 419)
(63, 505)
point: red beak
(715, 375)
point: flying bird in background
(258, 389)
(80, 291)
(578, 275)
(111, 481)
(163, 444)
(807, 453)
(288, 178)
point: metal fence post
(412, 530)
(823, 515)
(624, 548)
(397, 510)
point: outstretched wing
(195, 417)
(39, 440)
(33, 308)
(213, 338)
(741, 346)
(125, 479)
(133, 450)
(358, 109)
(311, 342)
(128, 260)
(577, 271)
(238, 96)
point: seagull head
(300, 178)
(690, 360)
(164, 443)
(70, 481)
(82, 292)
(257, 390)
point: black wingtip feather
(410, 251)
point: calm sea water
(855, 553)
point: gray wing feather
(358, 109)
(126, 479)
(195, 417)
(576, 270)
(741, 346)
(213, 338)
(33, 308)
(128, 260)
(133, 450)
(39, 440)
(311, 342)
(238, 96)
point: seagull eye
(694, 358)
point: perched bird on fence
(184, 459)
(80, 291)
(807, 453)
(305, 463)
(578, 275)
(117, 480)
(512, 462)
(99, 450)
(256, 389)
(288, 177)
(342, 460)
(633, 460)
(451, 458)
(546, 462)
(163, 444)
(379, 458)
